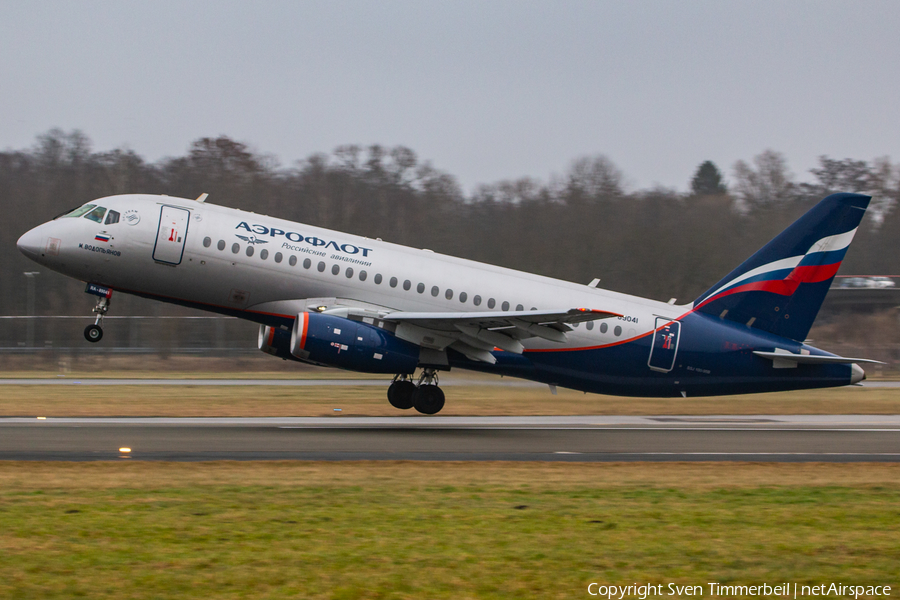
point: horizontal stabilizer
(813, 359)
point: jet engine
(339, 342)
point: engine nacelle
(339, 342)
(275, 341)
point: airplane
(339, 300)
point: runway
(768, 438)
(496, 382)
(384, 382)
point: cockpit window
(112, 217)
(96, 214)
(81, 210)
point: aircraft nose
(30, 243)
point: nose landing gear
(425, 396)
(94, 333)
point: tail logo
(783, 277)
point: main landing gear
(425, 396)
(94, 333)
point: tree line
(580, 225)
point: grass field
(436, 530)
(184, 399)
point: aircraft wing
(476, 334)
(493, 319)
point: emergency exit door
(170, 237)
(665, 345)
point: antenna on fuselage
(202, 197)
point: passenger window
(249, 250)
(378, 279)
(96, 215)
(235, 248)
(221, 245)
(407, 284)
(617, 331)
(520, 307)
(393, 282)
(306, 263)
(476, 300)
(335, 270)
(448, 294)
(278, 257)
(603, 327)
(492, 303)
(264, 254)
(207, 242)
(293, 261)
(463, 296)
(420, 288)
(590, 325)
(504, 306)
(349, 272)
(363, 275)
(113, 217)
(321, 267)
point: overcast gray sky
(486, 90)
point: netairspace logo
(719, 590)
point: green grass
(407, 530)
(185, 400)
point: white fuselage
(330, 269)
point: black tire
(428, 399)
(400, 394)
(93, 333)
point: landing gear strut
(425, 396)
(94, 333)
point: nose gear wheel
(94, 333)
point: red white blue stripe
(783, 277)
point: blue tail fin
(781, 288)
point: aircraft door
(171, 235)
(665, 345)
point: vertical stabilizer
(781, 288)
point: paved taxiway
(772, 438)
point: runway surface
(504, 382)
(256, 382)
(769, 438)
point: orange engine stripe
(305, 317)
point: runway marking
(553, 428)
(754, 453)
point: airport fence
(158, 335)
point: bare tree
(767, 181)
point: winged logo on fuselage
(252, 239)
